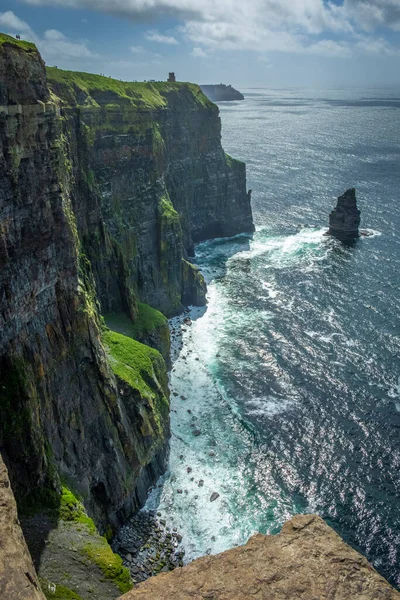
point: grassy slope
(8, 39)
(144, 95)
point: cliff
(306, 561)
(105, 187)
(221, 93)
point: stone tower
(171, 78)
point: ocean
(286, 387)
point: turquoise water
(291, 374)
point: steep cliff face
(104, 188)
(152, 155)
(68, 407)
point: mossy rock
(60, 592)
(110, 564)
(71, 509)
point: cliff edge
(306, 561)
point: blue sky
(273, 43)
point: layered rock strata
(105, 187)
(306, 561)
(344, 220)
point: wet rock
(201, 482)
(214, 496)
(196, 432)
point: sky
(246, 43)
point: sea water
(285, 389)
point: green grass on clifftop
(87, 89)
(8, 39)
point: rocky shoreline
(147, 546)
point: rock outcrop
(344, 220)
(306, 561)
(105, 187)
(221, 93)
(18, 578)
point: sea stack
(344, 220)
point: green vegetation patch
(8, 39)
(143, 368)
(60, 593)
(148, 319)
(167, 212)
(87, 89)
(231, 162)
(109, 563)
(71, 509)
(131, 360)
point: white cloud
(375, 46)
(154, 36)
(371, 14)
(198, 52)
(53, 45)
(8, 20)
(330, 48)
(137, 49)
(297, 26)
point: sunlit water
(292, 373)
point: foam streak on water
(291, 375)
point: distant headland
(220, 92)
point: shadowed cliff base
(306, 561)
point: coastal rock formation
(221, 93)
(344, 220)
(17, 574)
(306, 561)
(105, 187)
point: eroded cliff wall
(104, 188)
(67, 410)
